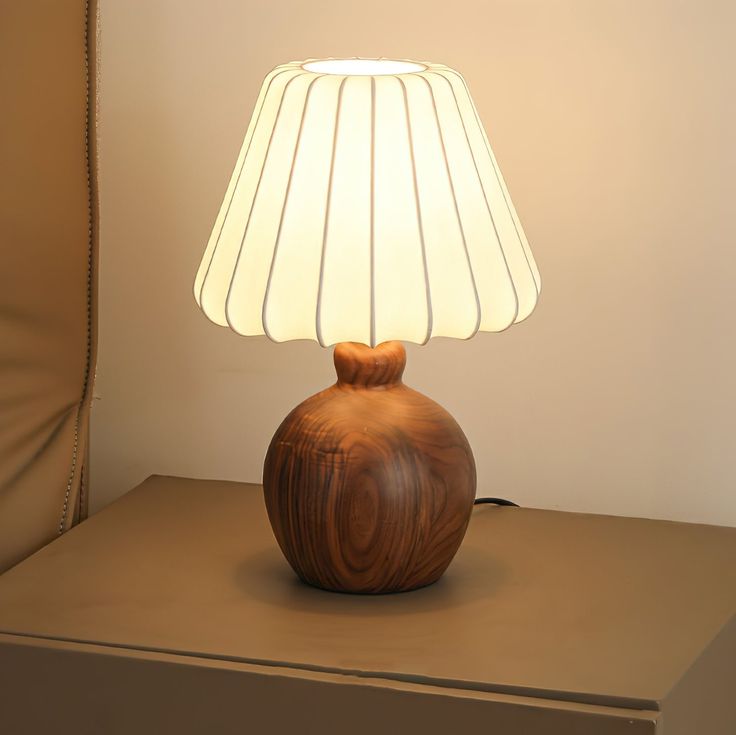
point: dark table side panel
(78, 689)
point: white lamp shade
(366, 205)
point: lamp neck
(360, 366)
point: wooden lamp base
(369, 485)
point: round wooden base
(369, 485)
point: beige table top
(592, 609)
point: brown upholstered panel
(46, 283)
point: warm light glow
(366, 206)
(363, 67)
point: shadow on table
(474, 574)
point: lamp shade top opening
(363, 67)
(366, 205)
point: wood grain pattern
(369, 485)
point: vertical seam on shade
(499, 179)
(373, 214)
(428, 295)
(457, 208)
(237, 180)
(90, 273)
(282, 216)
(485, 198)
(318, 319)
(255, 196)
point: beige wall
(613, 122)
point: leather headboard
(47, 276)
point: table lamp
(366, 208)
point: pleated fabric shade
(366, 205)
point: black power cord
(495, 501)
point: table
(172, 611)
